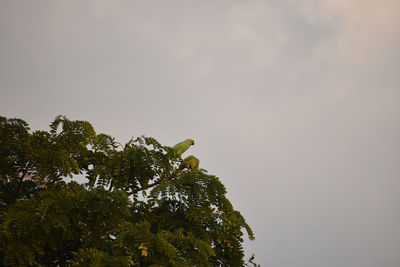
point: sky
(295, 105)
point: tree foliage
(138, 207)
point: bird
(182, 147)
(190, 162)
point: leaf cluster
(138, 207)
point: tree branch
(134, 191)
(20, 182)
(111, 185)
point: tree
(138, 207)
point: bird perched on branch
(182, 147)
(190, 162)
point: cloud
(367, 28)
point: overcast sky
(295, 105)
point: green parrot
(182, 147)
(190, 162)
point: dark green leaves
(183, 217)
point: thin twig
(134, 191)
(20, 182)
